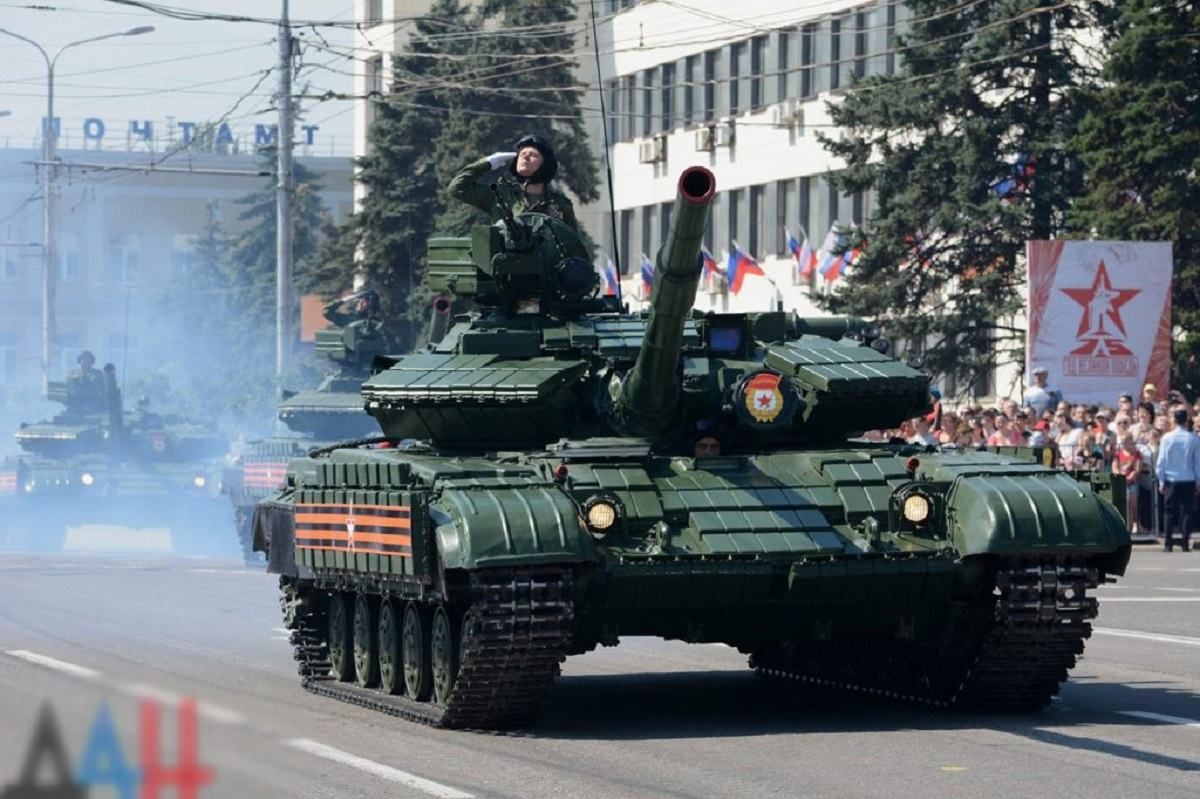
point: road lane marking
(1108, 599)
(206, 710)
(1142, 714)
(378, 769)
(57, 665)
(1160, 637)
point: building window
(808, 41)
(629, 123)
(834, 202)
(758, 57)
(835, 53)
(735, 71)
(756, 239)
(70, 262)
(374, 76)
(647, 220)
(689, 89)
(647, 102)
(857, 208)
(182, 247)
(734, 198)
(614, 111)
(804, 212)
(890, 40)
(374, 12)
(785, 205)
(626, 242)
(123, 259)
(668, 97)
(9, 272)
(664, 222)
(710, 85)
(710, 233)
(8, 358)
(781, 66)
(860, 45)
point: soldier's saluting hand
(531, 166)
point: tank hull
(802, 560)
(97, 505)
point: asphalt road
(646, 719)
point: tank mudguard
(1031, 514)
(478, 527)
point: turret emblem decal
(764, 400)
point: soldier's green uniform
(469, 187)
(466, 186)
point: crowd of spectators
(1123, 438)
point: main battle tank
(557, 504)
(99, 463)
(333, 411)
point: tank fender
(273, 528)
(477, 527)
(1033, 514)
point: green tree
(1140, 143)
(985, 92)
(250, 257)
(399, 175)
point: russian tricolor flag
(738, 266)
(806, 258)
(647, 276)
(833, 262)
(710, 266)
(612, 286)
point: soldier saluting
(531, 166)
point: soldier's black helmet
(549, 167)
(86, 355)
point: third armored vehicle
(560, 501)
(99, 463)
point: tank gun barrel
(647, 398)
(439, 318)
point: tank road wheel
(418, 677)
(391, 672)
(341, 637)
(366, 644)
(444, 656)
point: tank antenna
(612, 209)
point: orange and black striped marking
(374, 529)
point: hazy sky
(200, 69)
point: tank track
(1041, 620)
(517, 633)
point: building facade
(742, 90)
(123, 239)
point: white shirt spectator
(1179, 457)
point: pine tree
(399, 174)
(965, 150)
(250, 258)
(1140, 143)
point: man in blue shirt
(1178, 469)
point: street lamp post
(49, 142)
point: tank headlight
(87, 478)
(198, 481)
(601, 515)
(917, 508)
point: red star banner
(1100, 316)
